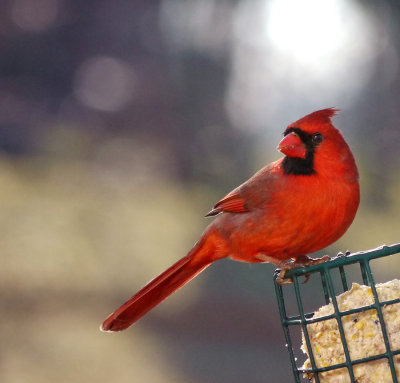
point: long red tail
(160, 288)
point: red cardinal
(292, 207)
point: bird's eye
(317, 138)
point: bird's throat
(299, 166)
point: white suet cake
(363, 336)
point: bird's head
(313, 142)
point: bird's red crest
(320, 116)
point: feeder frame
(363, 258)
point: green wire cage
(334, 276)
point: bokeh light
(35, 16)
(306, 50)
(104, 83)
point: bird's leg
(302, 261)
(282, 264)
(280, 280)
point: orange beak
(292, 146)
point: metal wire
(303, 319)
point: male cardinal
(292, 207)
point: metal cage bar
(363, 258)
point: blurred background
(122, 123)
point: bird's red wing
(232, 203)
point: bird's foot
(303, 261)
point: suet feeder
(334, 278)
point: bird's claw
(303, 261)
(280, 279)
(306, 278)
